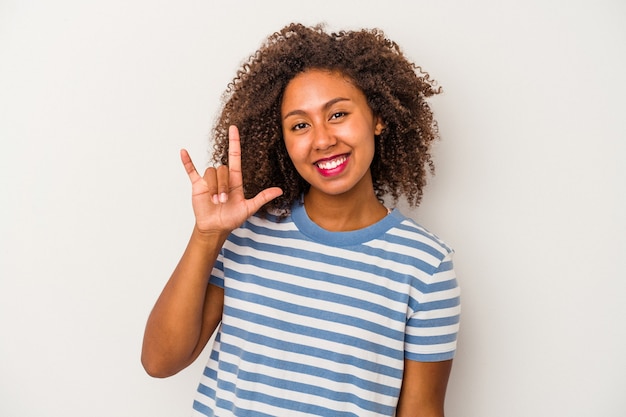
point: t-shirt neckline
(304, 223)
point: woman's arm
(187, 311)
(423, 389)
(189, 308)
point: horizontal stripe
(205, 410)
(257, 399)
(325, 356)
(291, 252)
(317, 351)
(450, 329)
(299, 330)
(284, 387)
(317, 317)
(322, 375)
(332, 297)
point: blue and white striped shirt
(319, 323)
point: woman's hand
(218, 201)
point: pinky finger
(189, 166)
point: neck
(345, 212)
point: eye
(299, 126)
(338, 115)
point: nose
(323, 138)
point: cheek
(368, 149)
(371, 151)
(295, 148)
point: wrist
(211, 238)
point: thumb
(264, 197)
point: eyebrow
(325, 107)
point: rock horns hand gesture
(219, 204)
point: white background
(97, 98)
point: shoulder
(414, 234)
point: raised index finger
(234, 158)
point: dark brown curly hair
(396, 91)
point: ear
(379, 126)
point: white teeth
(332, 164)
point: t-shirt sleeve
(217, 274)
(434, 313)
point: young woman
(324, 301)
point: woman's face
(329, 129)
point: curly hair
(395, 89)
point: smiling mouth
(329, 164)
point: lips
(332, 166)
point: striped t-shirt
(318, 323)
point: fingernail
(215, 199)
(223, 197)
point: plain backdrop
(97, 98)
